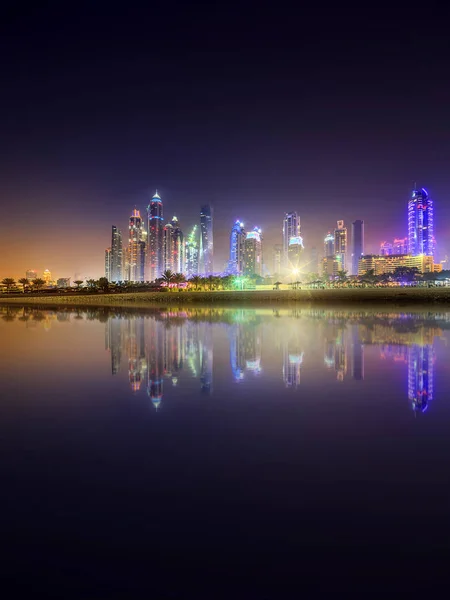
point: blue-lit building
(236, 265)
(206, 240)
(420, 224)
(155, 239)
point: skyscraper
(191, 254)
(134, 248)
(154, 259)
(206, 240)
(178, 246)
(168, 247)
(253, 252)
(420, 224)
(340, 244)
(277, 259)
(108, 264)
(116, 254)
(328, 245)
(386, 249)
(357, 244)
(400, 246)
(295, 250)
(237, 249)
(291, 229)
(47, 277)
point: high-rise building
(134, 247)
(420, 224)
(168, 247)
(31, 274)
(155, 256)
(191, 254)
(206, 240)
(312, 265)
(400, 246)
(116, 254)
(328, 245)
(237, 249)
(108, 264)
(277, 259)
(291, 229)
(357, 244)
(340, 244)
(47, 277)
(386, 249)
(253, 252)
(178, 246)
(295, 251)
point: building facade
(206, 240)
(295, 255)
(116, 255)
(357, 244)
(328, 245)
(253, 252)
(291, 229)
(237, 249)
(420, 224)
(340, 244)
(155, 243)
(108, 264)
(191, 254)
(134, 247)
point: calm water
(224, 452)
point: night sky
(256, 110)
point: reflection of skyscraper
(206, 359)
(292, 362)
(206, 240)
(155, 362)
(420, 376)
(357, 355)
(113, 342)
(154, 262)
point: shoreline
(393, 296)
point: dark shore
(393, 296)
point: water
(252, 453)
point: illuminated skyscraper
(386, 249)
(191, 254)
(155, 257)
(291, 229)
(328, 245)
(134, 247)
(108, 264)
(340, 244)
(295, 250)
(357, 244)
(168, 246)
(47, 277)
(206, 240)
(237, 249)
(420, 224)
(178, 247)
(116, 254)
(253, 252)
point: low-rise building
(389, 263)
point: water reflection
(156, 348)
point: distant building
(155, 256)
(340, 244)
(47, 277)
(420, 224)
(237, 249)
(191, 254)
(313, 263)
(178, 247)
(63, 282)
(206, 240)
(330, 266)
(388, 264)
(168, 247)
(116, 255)
(291, 229)
(253, 252)
(108, 264)
(386, 249)
(31, 274)
(295, 255)
(357, 244)
(328, 245)
(400, 246)
(277, 259)
(134, 247)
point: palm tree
(103, 284)
(24, 282)
(8, 282)
(342, 276)
(91, 283)
(38, 283)
(167, 277)
(196, 281)
(78, 283)
(179, 278)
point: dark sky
(256, 108)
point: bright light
(295, 271)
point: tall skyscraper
(155, 259)
(420, 224)
(168, 247)
(357, 244)
(277, 259)
(134, 247)
(328, 245)
(340, 244)
(237, 249)
(295, 251)
(253, 252)
(116, 254)
(178, 247)
(206, 240)
(47, 277)
(291, 229)
(108, 264)
(191, 254)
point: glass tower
(154, 258)
(206, 240)
(340, 244)
(291, 229)
(237, 248)
(134, 247)
(420, 224)
(191, 254)
(116, 254)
